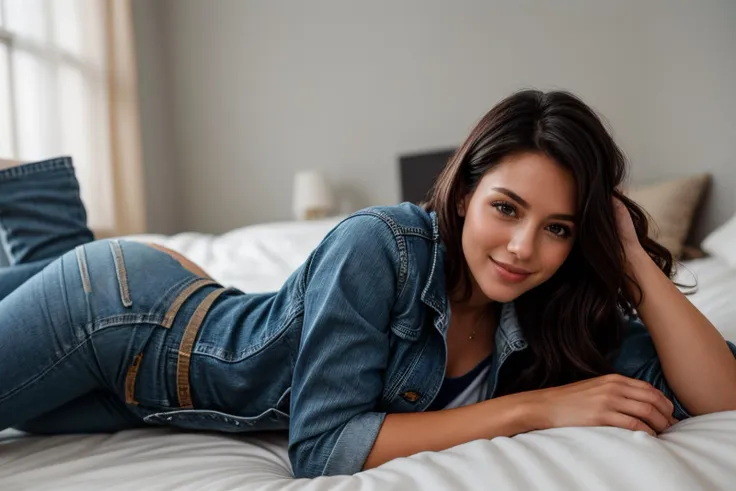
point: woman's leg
(96, 412)
(42, 218)
(48, 356)
(101, 318)
(11, 277)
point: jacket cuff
(354, 444)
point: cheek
(554, 256)
(480, 236)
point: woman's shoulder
(395, 236)
(402, 219)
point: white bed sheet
(696, 454)
(714, 293)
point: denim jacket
(357, 332)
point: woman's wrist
(635, 252)
(636, 258)
(512, 414)
(532, 415)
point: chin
(499, 292)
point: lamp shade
(312, 197)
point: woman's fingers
(644, 392)
(645, 412)
(613, 400)
(654, 397)
(623, 380)
(627, 422)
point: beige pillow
(671, 206)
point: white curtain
(68, 87)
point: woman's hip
(109, 281)
(135, 305)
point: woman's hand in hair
(626, 230)
(609, 400)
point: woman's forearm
(696, 361)
(405, 434)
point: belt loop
(181, 298)
(130, 380)
(187, 344)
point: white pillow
(722, 242)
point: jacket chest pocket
(209, 420)
(415, 375)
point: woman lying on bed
(505, 304)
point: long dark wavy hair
(573, 321)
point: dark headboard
(419, 171)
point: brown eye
(505, 209)
(559, 230)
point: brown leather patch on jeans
(130, 380)
(121, 272)
(181, 298)
(187, 344)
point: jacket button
(411, 396)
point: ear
(462, 206)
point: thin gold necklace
(472, 334)
(480, 319)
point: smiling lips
(510, 273)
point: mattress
(695, 454)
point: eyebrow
(525, 204)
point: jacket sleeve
(637, 358)
(350, 283)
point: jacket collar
(509, 336)
(434, 293)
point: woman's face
(519, 226)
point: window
(56, 95)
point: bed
(695, 454)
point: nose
(521, 244)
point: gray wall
(154, 89)
(260, 89)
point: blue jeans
(89, 330)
